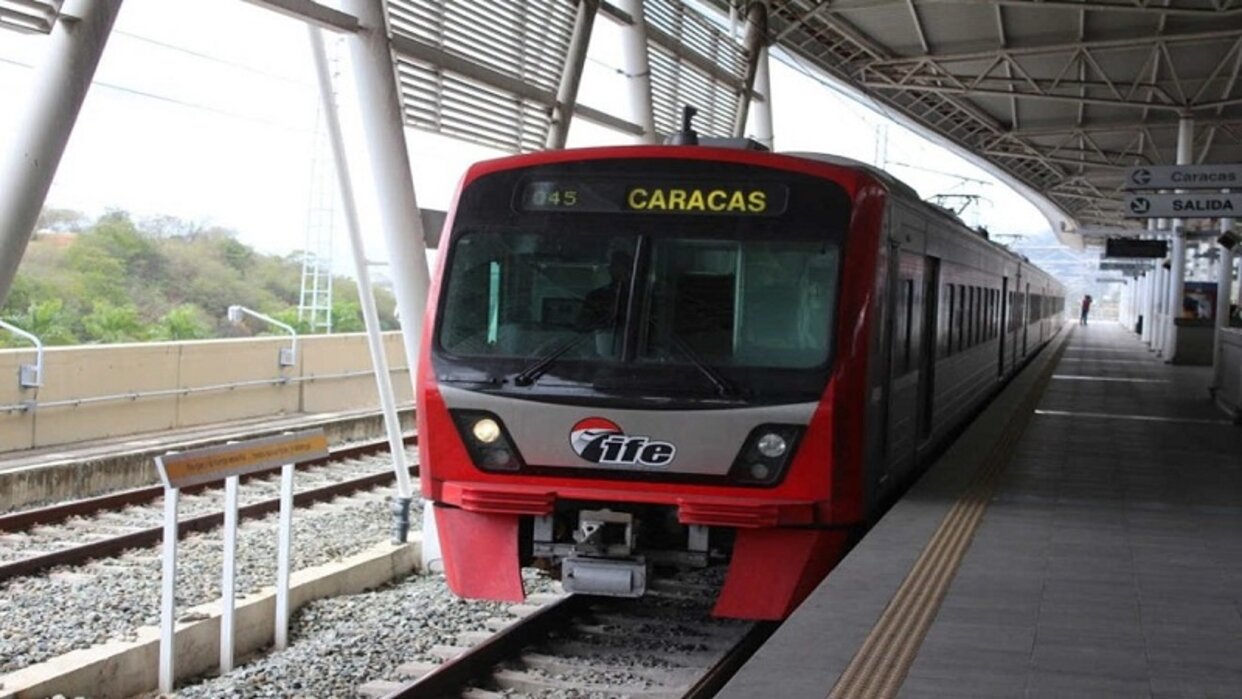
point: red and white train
(650, 356)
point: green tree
(108, 323)
(347, 317)
(62, 221)
(184, 322)
(46, 320)
(289, 316)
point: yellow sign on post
(219, 462)
(228, 462)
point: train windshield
(640, 300)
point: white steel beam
(312, 13)
(571, 76)
(36, 146)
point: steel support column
(375, 342)
(571, 76)
(1224, 278)
(1149, 300)
(762, 130)
(756, 40)
(637, 70)
(75, 45)
(375, 77)
(1177, 276)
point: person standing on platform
(1086, 308)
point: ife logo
(603, 441)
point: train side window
(982, 316)
(961, 317)
(976, 304)
(970, 312)
(987, 315)
(947, 349)
(994, 317)
(907, 322)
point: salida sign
(1185, 205)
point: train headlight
(765, 455)
(772, 445)
(487, 442)
(486, 430)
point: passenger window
(908, 322)
(948, 322)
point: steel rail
(148, 537)
(478, 662)
(719, 674)
(55, 514)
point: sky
(206, 110)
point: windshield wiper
(724, 387)
(532, 373)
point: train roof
(907, 192)
(886, 178)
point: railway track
(662, 646)
(75, 532)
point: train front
(631, 366)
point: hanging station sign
(1135, 248)
(1225, 176)
(1186, 205)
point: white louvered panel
(677, 82)
(29, 16)
(526, 40)
(469, 110)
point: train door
(1004, 324)
(927, 346)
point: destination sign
(1134, 248)
(1184, 177)
(1133, 267)
(1188, 205)
(653, 197)
(210, 464)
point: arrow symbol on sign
(1141, 176)
(1140, 205)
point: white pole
(1185, 144)
(37, 144)
(571, 75)
(756, 39)
(1224, 278)
(168, 596)
(228, 577)
(637, 70)
(376, 81)
(763, 110)
(1149, 295)
(1161, 308)
(284, 551)
(383, 379)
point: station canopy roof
(1059, 97)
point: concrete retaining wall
(82, 373)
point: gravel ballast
(76, 607)
(341, 643)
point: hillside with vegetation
(115, 279)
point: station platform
(1083, 538)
